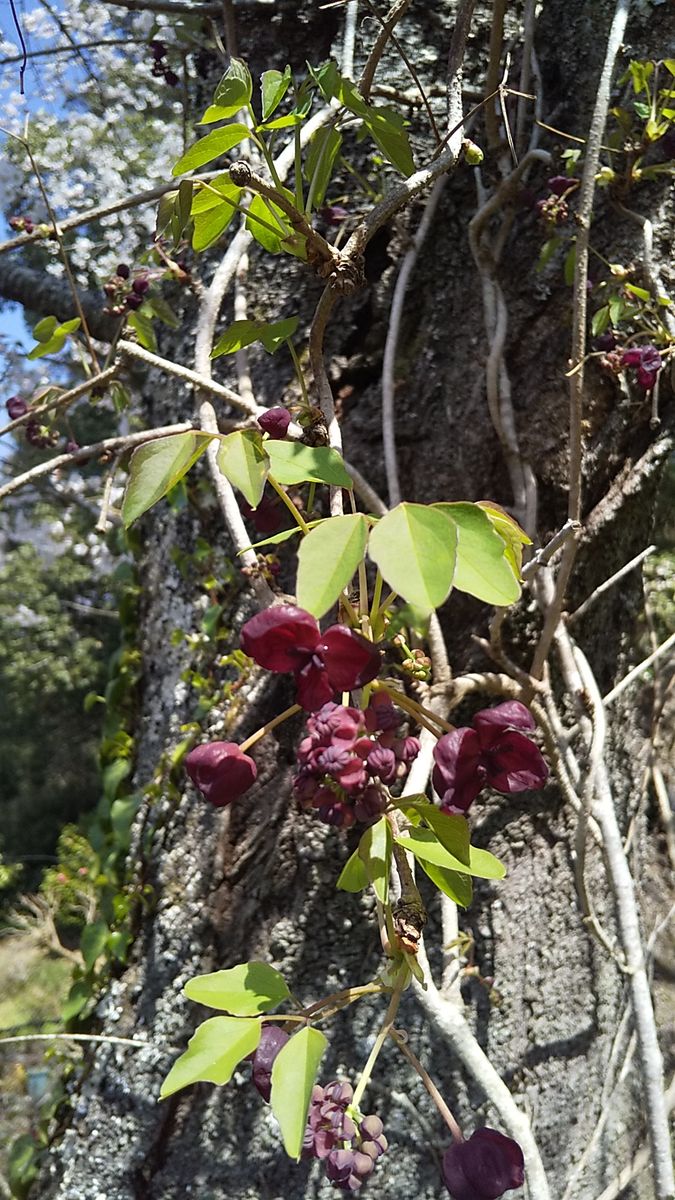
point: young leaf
(211, 195)
(375, 854)
(291, 462)
(262, 214)
(44, 329)
(142, 325)
(353, 876)
(277, 538)
(163, 312)
(324, 148)
(244, 333)
(273, 88)
(426, 847)
(510, 532)
(327, 560)
(482, 568)
(219, 112)
(293, 1076)
(244, 991)
(451, 830)
(216, 1048)
(386, 127)
(218, 142)
(235, 88)
(93, 942)
(453, 884)
(52, 346)
(156, 467)
(415, 548)
(242, 459)
(210, 224)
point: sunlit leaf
(242, 459)
(327, 560)
(239, 334)
(482, 568)
(244, 991)
(273, 88)
(293, 1076)
(218, 142)
(291, 462)
(415, 548)
(375, 849)
(217, 1047)
(156, 467)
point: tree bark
(257, 881)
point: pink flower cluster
(346, 757)
(349, 1152)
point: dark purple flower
(134, 301)
(16, 407)
(123, 271)
(560, 184)
(266, 517)
(272, 1039)
(275, 423)
(171, 78)
(493, 753)
(484, 1167)
(140, 285)
(382, 763)
(221, 771)
(648, 362)
(286, 638)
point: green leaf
(509, 531)
(245, 990)
(156, 467)
(451, 829)
(291, 462)
(641, 292)
(375, 854)
(386, 127)
(293, 1076)
(353, 876)
(453, 884)
(219, 112)
(327, 560)
(273, 88)
(277, 538)
(236, 86)
(210, 224)
(23, 1163)
(93, 942)
(51, 347)
(669, 64)
(163, 312)
(547, 251)
(569, 266)
(122, 813)
(68, 327)
(142, 326)
(262, 214)
(216, 1048)
(44, 329)
(218, 142)
(415, 548)
(113, 775)
(244, 333)
(213, 194)
(78, 997)
(242, 459)
(324, 148)
(293, 118)
(482, 568)
(426, 847)
(600, 320)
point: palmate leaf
(158, 466)
(415, 548)
(327, 560)
(242, 459)
(426, 847)
(217, 1047)
(246, 990)
(482, 568)
(508, 529)
(293, 1077)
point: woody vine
(360, 635)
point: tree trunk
(257, 881)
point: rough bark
(258, 881)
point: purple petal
(515, 764)
(271, 1041)
(484, 1167)
(281, 638)
(275, 422)
(491, 722)
(350, 659)
(221, 771)
(314, 687)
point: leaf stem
(399, 1039)
(295, 513)
(260, 733)
(298, 371)
(403, 978)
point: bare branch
(397, 10)
(609, 583)
(132, 350)
(64, 399)
(638, 670)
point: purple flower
(648, 362)
(272, 1039)
(267, 516)
(382, 763)
(560, 184)
(16, 407)
(286, 638)
(484, 1167)
(221, 771)
(492, 754)
(275, 423)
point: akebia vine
(352, 639)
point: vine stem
(265, 729)
(399, 1040)
(390, 1017)
(414, 708)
